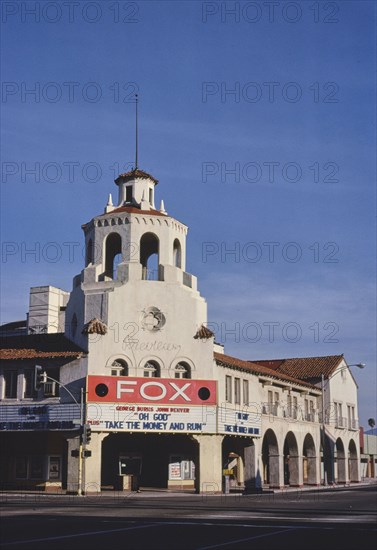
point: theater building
(128, 353)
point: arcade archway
(270, 459)
(163, 461)
(340, 461)
(353, 461)
(291, 460)
(309, 467)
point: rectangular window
(150, 373)
(237, 391)
(151, 197)
(10, 380)
(245, 388)
(289, 405)
(228, 389)
(353, 424)
(276, 404)
(29, 390)
(306, 409)
(311, 411)
(129, 193)
(267, 408)
(294, 412)
(270, 397)
(51, 388)
(338, 415)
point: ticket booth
(129, 472)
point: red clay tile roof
(38, 346)
(254, 368)
(95, 326)
(203, 333)
(273, 364)
(134, 174)
(304, 368)
(134, 210)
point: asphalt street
(333, 518)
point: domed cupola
(136, 188)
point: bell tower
(134, 292)
(134, 237)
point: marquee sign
(164, 405)
(152, 418)
(39, 417)
(172, 391)
(243, 421)
(118, 403)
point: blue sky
(281, 170)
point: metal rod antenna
(137, 133)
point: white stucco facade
(165, 404)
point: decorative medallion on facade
(152, 319)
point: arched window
(149, 256)
(152, 369)
(112, 254)
(182, 370)
(177, 253)
(89, 252)
(119, 367)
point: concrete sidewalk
(150, 492)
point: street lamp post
(82, 418)
(359, 366)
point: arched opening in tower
(112, 254)
(177, 253)
(149, 256)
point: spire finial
(136, 129)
